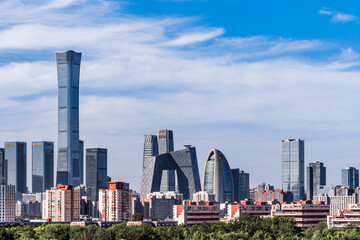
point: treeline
(246, 227)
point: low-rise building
(305, 213)
(203, 196)
(235, 210)
(196, 213)
(160, 204)
(115, 202)
(274, 195)
(345, 217)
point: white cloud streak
(338, 17)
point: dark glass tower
(293, 168)
(96, 170)
(81, 161)
(350, 177)
(166, 145)
(15, 156)
(316, 176)
(42, 166)
(68, 163)
(241, 184)
(3, 167)
(150, 147)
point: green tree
(138, 217)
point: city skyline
(172, 64)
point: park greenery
(246, 227)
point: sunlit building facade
(42, 166)
(15, 157)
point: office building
(81, 161)
(28, 208)
(15, 157)
(265, 187)
(241, 184)
(3, 167)
(274, 196)
(338, 203)
(68, 161)
(316, 176)
(137, 206)
(96, 170)
(62, 204)
(194, 213)
(293, 167)
(7, 203)
(42, 166)
(350, 177)
(203, 197)
(150, 147)
(166, 145)
(115, 202)
(235, 210)
(217, 177)
(183, 161)
(160, 204)
(305, 213)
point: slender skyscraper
(96, 170)
(15, 156)
(42, 166)
(3, 167)
(350, 177)
(68, 163)
(150, 147)
(316, 176)
(241, 184)
(293, 167)
(81, 161)
(166, 145)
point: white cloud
(323, 11)
(342, 17)
(195, 37)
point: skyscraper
(350, 177)
(3, 167)
(42, 166)
(316, 176)
(166, 145)
(81, 161)
(68, 163)
(15, 156)
(241, 184)
(96, 170)
(217, 177)
(293, 167)
(150, 147)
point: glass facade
(68, 163)
(166, 145)
(293, 167)
(42, 166)
(350, 177)
(96, 170)
(150, 147)
(81, 161)
(15, 157)
(316, 176)
(3, 167)
(241, 184)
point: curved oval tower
(217, 177)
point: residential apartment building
(7, 203)
(196, 213)
(235, 210)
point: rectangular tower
(293, 167)
(15, 156)
(241, 184)
(316, 176)
(96, 170)
(3, 167)
(350, 177)
(81, 161)
(166, 145)
(68, 163)
(150, 147)
(42, 166)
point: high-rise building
(3, 167)
(96, 170)
(115, 202)
(150, 147)
(42, 166)
(293, 167)
(62, 204)
(183, 161)
(264, 187)
(81, 161)
(241, 184)
(15, 157)
(166, 145)
(217, 177)
(350, 177)
(316, 176)
(7, 203)
(68, 163)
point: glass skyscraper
(3, 167)
(316, 176)
(166, 145)
(96, 170)
(68, 163)
(42, 166)
(15, 157)
(350, 177)
(81, 161)
(241, 184)
(293, 167)
(150, 147)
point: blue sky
(239, 76)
